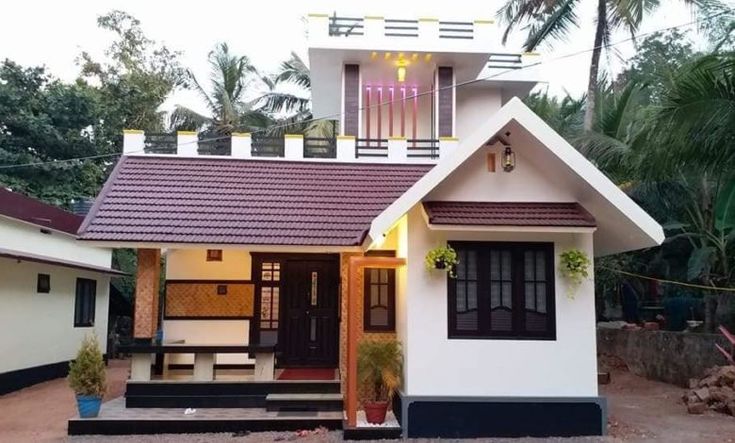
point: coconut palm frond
(555, 24)
(294, 71)
(516, 12)
(185, 119)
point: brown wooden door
(309, 312)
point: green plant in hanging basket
(574, 267)
(442, 258)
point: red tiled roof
(508, 214)
(29, 210)
(255, 202)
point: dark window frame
(43, 283)
(518, 331)
(367, 326)
(214, 255)
(85, 302)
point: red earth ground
(640, 411)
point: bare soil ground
(640, 410)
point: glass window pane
(383, 276)
(314, 288)
(494, 265)
(506, 265)
(528, 265)
(373, 275)
(530, 295)
(461, 297)
(383, 295)
(471, 265)
(507, 294)
(540, 265)
(495, 295)
(379, 316)
(541, 297)
(462, 266)
(276, 275)
(471, 295)
(374, 295)
(266, 275)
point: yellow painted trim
(241, 134)
(186, 133)
(448, 139)
(346, 137)
(318, 15)
(428, 19)
(484, 22)
(374, 17)
(531, 54)
(397, 138)
(291, 136)
(133, 131)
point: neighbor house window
(43, 284)
(380, 299)
(502, 290)
(84, 303)
(214, 255)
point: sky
(53, 33)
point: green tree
(549, 20)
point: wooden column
(146, 293)
(355, 267)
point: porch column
(146, 294)
(355, 266)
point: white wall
(25, 237)
(38, 329)
(438, 366)
(192, 264)
(475, 105)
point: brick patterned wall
(200, 299)
(344, 276)
(146, 293)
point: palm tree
(230, 76)
(555, 19)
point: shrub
(379, 367)
(87, 371)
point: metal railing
(371, 147)
(160, 143)
(346, 26)
(457, 30)
(423, 148)
(267, 146)
(320, 147)
(401, 28)
(505, 61)
(214, 146)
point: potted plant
(87, 377)
(574, 266)
(379, 369)
(443, 258)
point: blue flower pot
(88, 405)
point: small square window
(43, 284)
(221, 289)
(214, 255)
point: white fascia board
(502, 228)
(516, 110)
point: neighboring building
(266, 244)
(53, 291)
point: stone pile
(716, 391)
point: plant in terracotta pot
(442, 258)
(87, 377)
(379, 369)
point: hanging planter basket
(443, 258)
(574, 267)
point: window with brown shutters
(502, 290)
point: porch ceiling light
(509, 159)
(401, 74)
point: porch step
(304, 402)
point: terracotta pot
(375, 411)
(439, 264)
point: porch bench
(203, 358)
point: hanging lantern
(509, 159)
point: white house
(295, 248)
(53, 291)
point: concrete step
(304, 402)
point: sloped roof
(29, 210)
(622, 225)
(247, 202)
(508, 214)
(48, 260)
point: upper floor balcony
(294, 147)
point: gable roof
(508, 214)
(632, 228)
(156, 199)
(29, 210)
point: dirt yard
(640, 411)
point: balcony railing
(290, 147)
(346, 26)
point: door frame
(257, 259)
